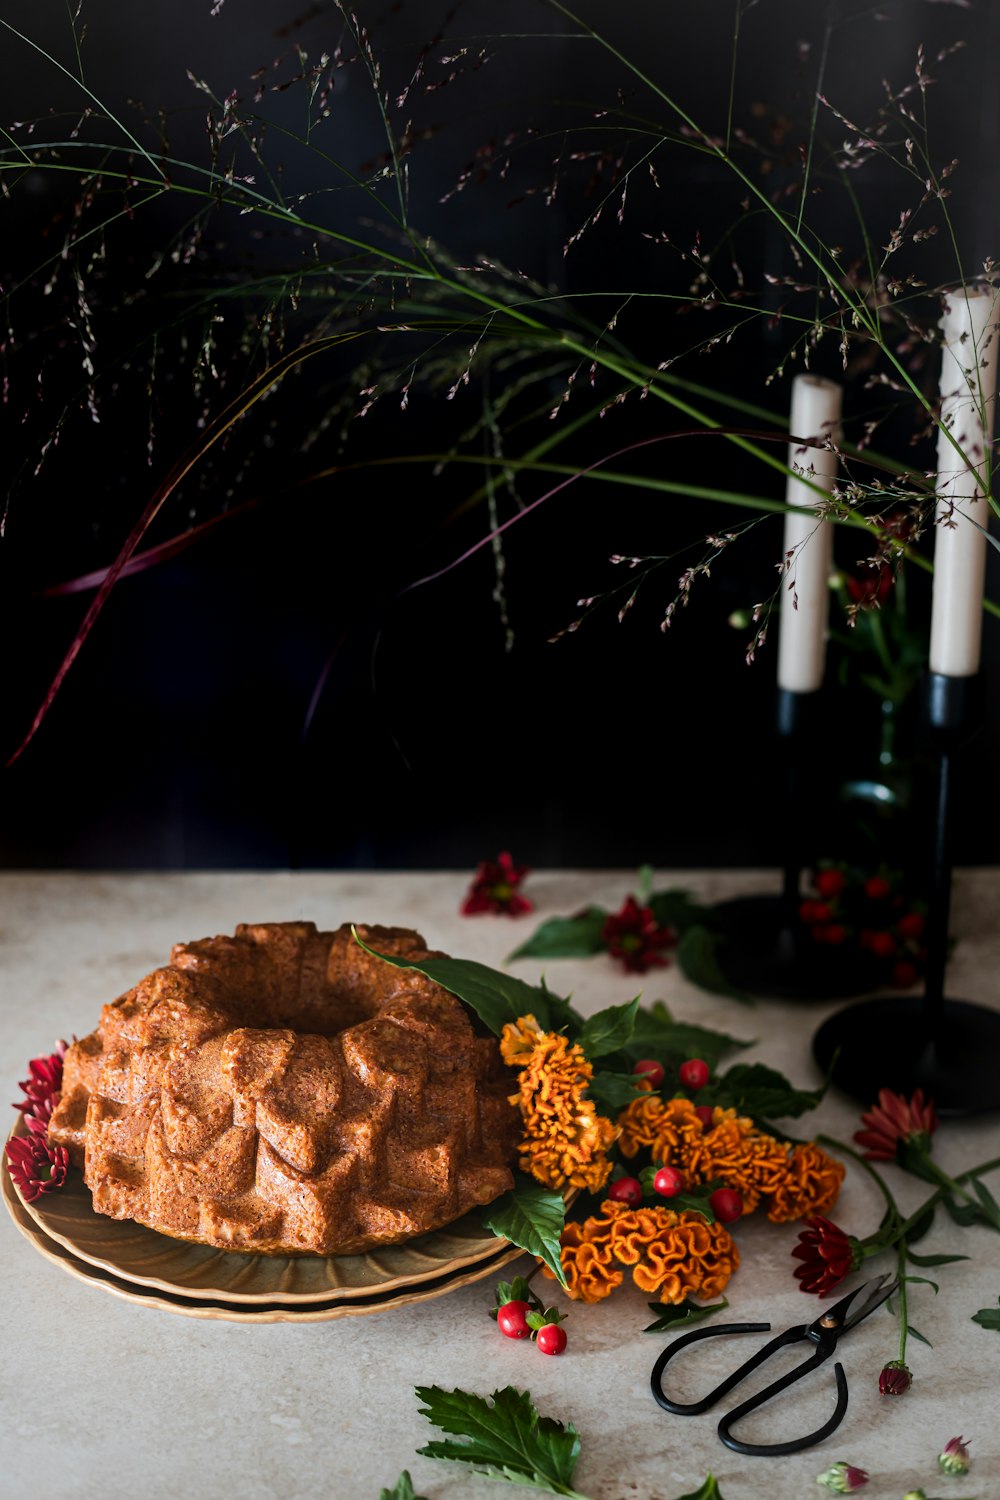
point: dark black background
(277, 693)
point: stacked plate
(196, 1281)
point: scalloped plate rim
(106, 1262)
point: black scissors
(823, 1334)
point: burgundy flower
(45, 1081)
(954, 1457)
(827, 1255)
(873, 589)
(634, 935)
(896, 1119)
(843, 1478)
(495, 888)
(895, 1379)
(35, 1166)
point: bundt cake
(284, 1092)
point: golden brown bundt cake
(282, 1091)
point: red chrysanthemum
(35, 1166)
(45, 1080)
(873, 588)
(496, 888)
(634, 936)
(895, 1379)
(827, 1255)
(893, 1120)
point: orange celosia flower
(675, 1255)
(811, 1186)
(639, 1123)
(565, 1139)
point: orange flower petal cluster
(798, 1180)
(565, 1140)
(673, 1255)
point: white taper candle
(815, 418)
(968, 397)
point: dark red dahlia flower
(634, 936)
(45, 1080)
(35, 1166)
(896, 1119)
(827, 1255)
(496, 888)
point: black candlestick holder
(949, 1048)
(765, 949)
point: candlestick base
(884, 1043)
(766, 952)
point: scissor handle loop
(695, 1407)
(795, 1445)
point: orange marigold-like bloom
(565, 1139)
(746, 1159)
(810, 1187)
(587, 1260)
(639, 1123)
(675, 1255)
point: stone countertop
(103, 1399)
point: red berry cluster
(871, 913)
(520, 1315)
(666, 1182)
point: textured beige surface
(101, 1398)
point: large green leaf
(579, 936)
(613, 1091)
(698, 960)
(532, 1217)
(656, 1034)
(671, 1317)
(761, 1092)
(988, 1317)
(506, 1440)
(674, 908)
(610, 1030)
(497, 998)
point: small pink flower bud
(954, 1457)
(843, 1478)
(895, 1379)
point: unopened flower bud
(740, 619)
(895, 1379)
(954, 1457)
(914, 1495)
(842, 1478)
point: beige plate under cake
(145, 1258)
(275, 1312)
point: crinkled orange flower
(811, 1186)
(674, 1255)
(565, 1140)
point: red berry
(882, 944)
(807, 912)
(829, 883)
(904, 974)
(727, 1205)
(512, 1320)
(626, 1190)
(551, 1339)
(668, 1182)
(912, 925)
(706, 1115)
(876, 889)
(835, 933)
(821, 912)
(694, 1073)
(649, 1068)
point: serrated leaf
(507, 1439)
(915, 1333)
(932, 1260)
(674, 908)
(497, 998)
(988, 1317)
(761, 1092)
(579, 936)
(613, 1091)
(531, 1217)
(610, 1030)
(401, 1490)
(681, 1314)
(658, 1035)
(698, 960)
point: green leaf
(915, 1333)
(506, 1440)
(658, 1035)
(918, 1230)
(761, 1092)
(988, 1317)
(610, 1030)
(517, 1290)
(612, 1091)
(683, 1314)
(932, 1260)
(674, 908)
(698, 960)
(531, 1217)
(644, 885)
(963, 1213)
(401, 1490)
(496, 998)
(914, 1159)
(991, 1209)
(708, 1491)
(566, 937)
(925, 1280)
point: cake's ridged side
(284, 1092)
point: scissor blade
(850, 1311)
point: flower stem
(904, 1327)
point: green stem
(901, 1273)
